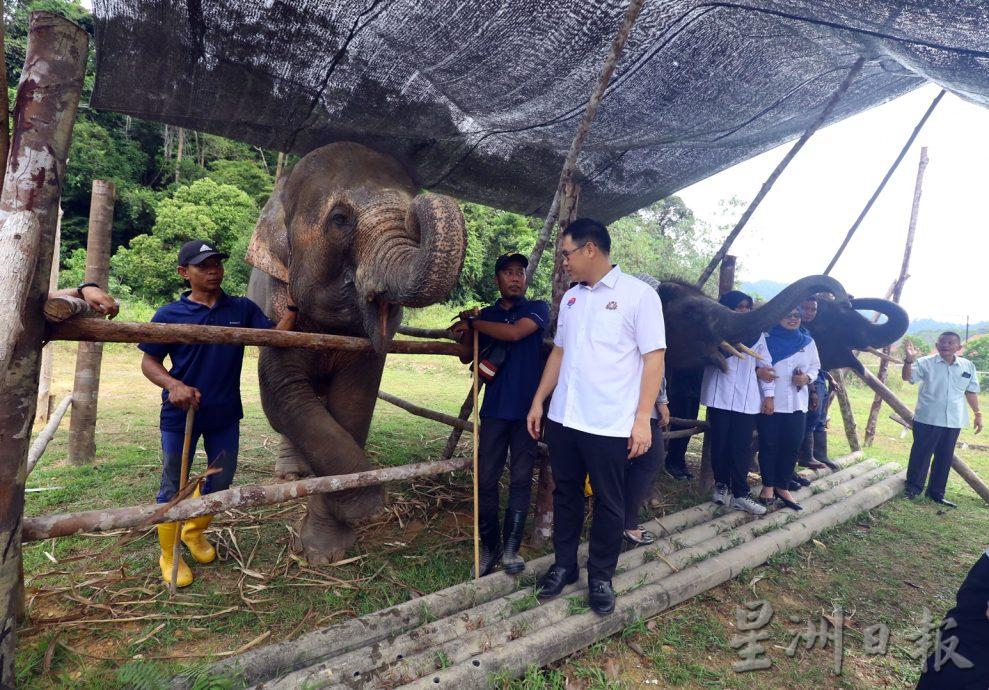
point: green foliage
(977, 350)
(140, 675)
(247, 176)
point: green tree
(247, 176)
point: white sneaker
(748, 505)
(720, 494)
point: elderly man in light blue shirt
(947, 382)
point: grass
(99, 617)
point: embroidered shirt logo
(611, 306)
(570, 302)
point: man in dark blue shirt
(207, 379)
(511, 333)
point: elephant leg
(323, 537)
(291, 464)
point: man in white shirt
(604, 373)
(947, 382)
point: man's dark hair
(585, 230)
(950, 333)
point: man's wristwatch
(81, 286)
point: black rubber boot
(806, 453)
(514, 526)
(490, 546)
(821, 449)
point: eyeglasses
(567, 254)
(793, 315)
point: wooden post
(454, 438)
(4, 101)
(847, 417)
(89, 359)
(771, 180)
(43, 409)
(726, 275)
(45, 110)
(897, 291)
(957, 464)
(279, 165)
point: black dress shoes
(802, 481)
(552, 583)
(601, 596)
(944, 502)
(813, 465)
(830, 465)
(792, 505)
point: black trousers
(676, 448)
(780, 436)
(731, 444)
(640, 475)
(497, 437)
(972, 633)
(929, 440)
(573, 455)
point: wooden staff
(186, 445)
(477, 422)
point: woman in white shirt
(781, 425)
(733, 400)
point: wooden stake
(897, 291)
(426, 413)
(47, 99)
(89, 358)
(771, 180)
(190, 416)
(847, 416)
(477, 423)
(45, 437)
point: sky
(800, 224)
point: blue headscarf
(732, 299)
(783, 342)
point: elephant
(696, 324)
(839, 328)
(346, 237)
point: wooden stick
(957, 464)
(426, 413)
(129, 332)
(882, 185)
(234, 498)
(454, 439)
(771, 180)
(883, 355)
(45, 437)
(477, 421)
(190, 416)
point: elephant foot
(323, 537)
(291, 464)
(357, 504)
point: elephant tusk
(748, 350)
(882, 355)
(725, 344)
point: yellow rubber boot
(192, 536)
(167, 533)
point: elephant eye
(339, 218)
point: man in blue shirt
(511, 334)
(947, 382)
(207, 379)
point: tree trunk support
(771, 180)
(44, 407)
(89, 358)
(957, 464)
(882, 185)
(47, 99)
(897, 291)
(847, 416)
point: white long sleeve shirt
(788, 398)
(736, 390)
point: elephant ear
(268, 249)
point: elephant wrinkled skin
(345, 236)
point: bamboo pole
(46, 435)
(190, 417)
(847, 416)
(130, 332)
(882, 185)
(426, 413)
(477, 423)
(897, 291)
(47, 99)
(771, 180)
(43, 408)
(89, 359)
(237, 497)
(957, 464)
(593, 103)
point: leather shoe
(792, 505)
(813, 465)
(910, 495)
(944, 502)
(601, 596)
(831, 465)
(802, 481)
(552, 583)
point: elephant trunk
(740, 326)
(882, 334)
